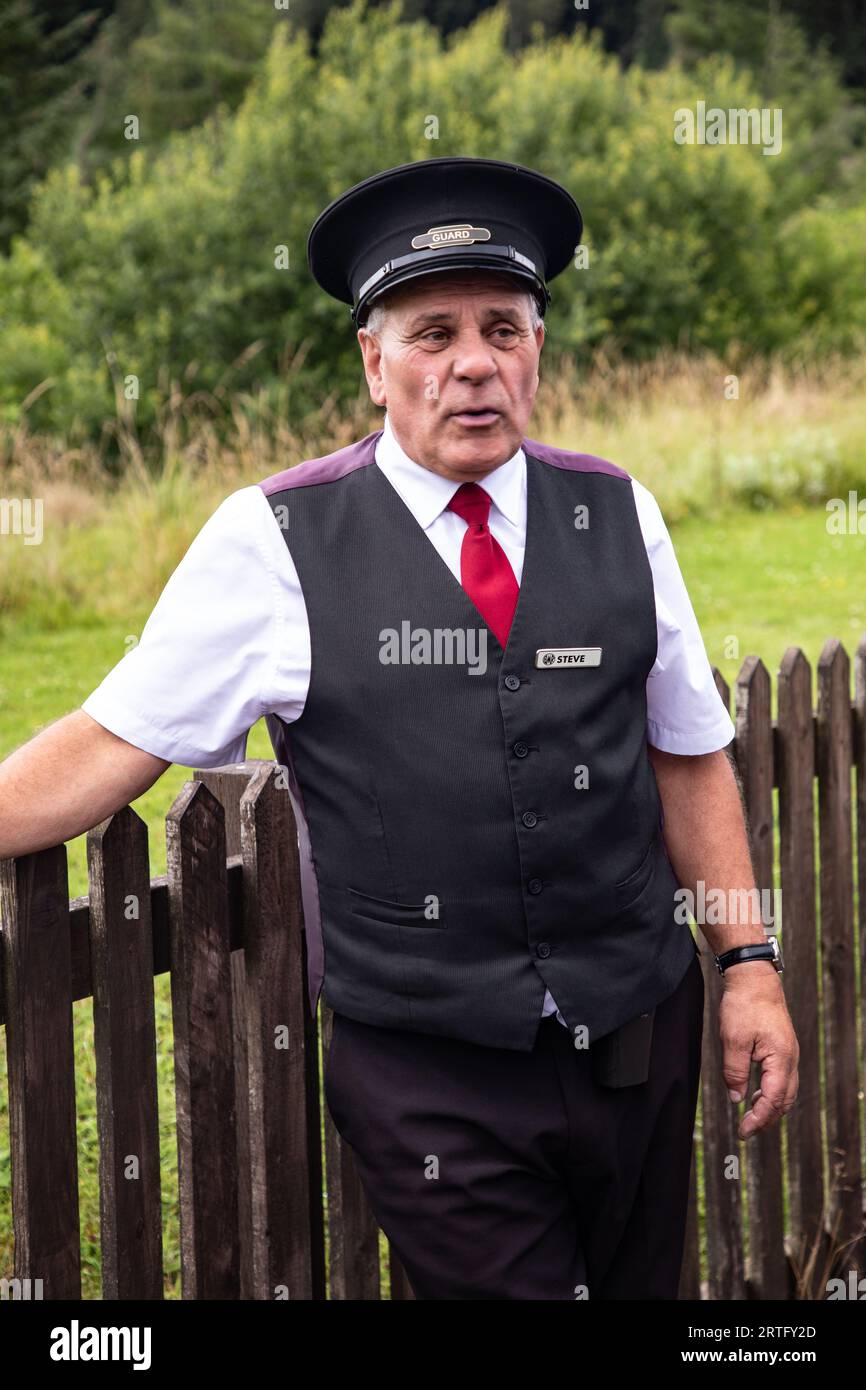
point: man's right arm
(227, 642)
(70, 776)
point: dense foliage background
(135, 269)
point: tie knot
(472, 503)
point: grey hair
(376, 318)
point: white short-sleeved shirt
(228, 639)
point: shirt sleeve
(203, 670)
(685, 712)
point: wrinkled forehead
(431, 290)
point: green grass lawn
(759, 582)
(771, 580)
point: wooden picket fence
(804, 1217)
(259, 1218)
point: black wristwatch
(768, 950)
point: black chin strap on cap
(492, 259)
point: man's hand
(754, 1025)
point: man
(480, 667)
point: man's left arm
(706, 838)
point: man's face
(453, 344)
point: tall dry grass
(116, 506)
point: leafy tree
(790, 72)
(550, 16)
(171, 65)
(749, 29)
(843, 26)
(41, 89)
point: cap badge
(457, 233)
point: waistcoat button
(512, 682)
(520, 750)
(535, 885)
(542, 949)
(530, 818)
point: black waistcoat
(469, 836)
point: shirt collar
(427, 494)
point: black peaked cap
(443, 214)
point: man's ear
(372, 355)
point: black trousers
(513, 1175)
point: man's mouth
(475, 418)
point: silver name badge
(568, 656)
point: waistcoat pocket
(394, 914)
(630, 888)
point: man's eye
(437, 334)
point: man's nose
(473, 356)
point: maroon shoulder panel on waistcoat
(564, 458)
(326, 469)
(330, 467)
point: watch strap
(758, 950)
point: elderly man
(505, 751)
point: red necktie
(485, 573)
